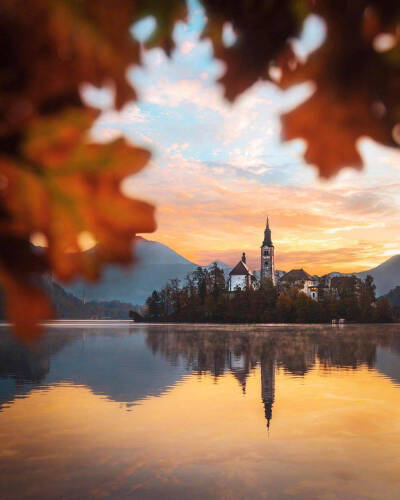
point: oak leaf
(64, 187)
(356, 91)
(166, 15)
(263, 31)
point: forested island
(204, 297)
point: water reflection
(129, 363)
(116, 364)
(295, 349)
(174, 412)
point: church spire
(267, 235)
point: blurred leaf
(357, 89)
(50, 47)
(166, 14)
(20, 267)
(64, 187)
(263, 30)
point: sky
(218, 169)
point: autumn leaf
(66, 187)
(357, 87)
(166, 15)
(263, 31)
(27, 305)
(20, 270)
(52, 181)
(355, 92)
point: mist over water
(115, 410)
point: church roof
(296, 275)
(267, 236)
(241, 269)
(341, 282)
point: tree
(217, 278)
(367, 298)
(383, 311)
(200, 278)
(285, 309)
(154, 306)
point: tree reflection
(295, 350)
(129, 364)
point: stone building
(311, 288)
(268, 256)
(295, 277)
(301, 279)
(340, 285)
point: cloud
(218, 169)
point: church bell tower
(267, 256)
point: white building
(310, 288)
(241, 276)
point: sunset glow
(218, 169)
(112, 435)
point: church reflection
(131, 364)
(240, 365)
(294, 350)
(268, 384)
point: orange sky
(219, 169)
(348, 224)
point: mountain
(155, 265)
(66, 305)
(222, 265)
(386, 275)
(394, 296)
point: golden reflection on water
(332, 435)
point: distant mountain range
(386, 275)
(394, 296)
(157, 263)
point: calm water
(111, 410)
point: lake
(117, 410)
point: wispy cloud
(219, 169)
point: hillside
(394, 296)
(66, 305)
(386, 275)
(155, 265)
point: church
(316, 288)
(242, 277)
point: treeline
(204, 298)
(67, 306)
